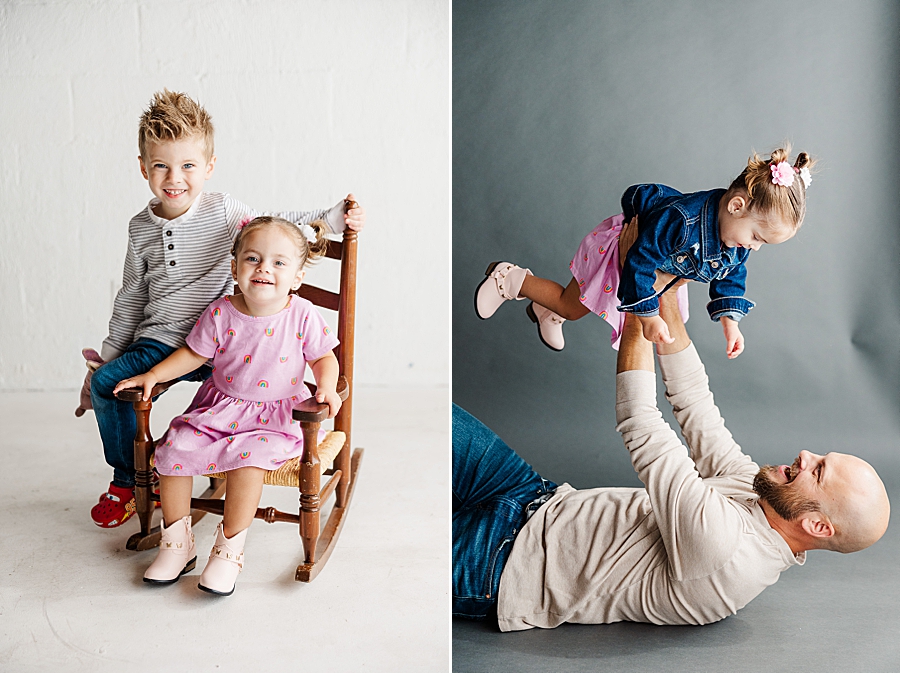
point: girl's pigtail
(319, 246)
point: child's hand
(329, 397)
(655, 330)
(733, 337)
(354, 215)
(145, 381)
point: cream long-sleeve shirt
(691, 547)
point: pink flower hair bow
(244, 222)
(782, 173)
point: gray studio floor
(836, 613)
(72, 599)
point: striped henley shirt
(176, 268)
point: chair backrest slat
(320, 297)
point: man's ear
(816, 524)
(143, 168)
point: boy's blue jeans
(494, 491)
(115, 418)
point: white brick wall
(310, 100)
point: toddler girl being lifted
(703, 236)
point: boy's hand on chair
(733, 337)
(144, 381)
(354, 214)
(329, 397)
(655, 330)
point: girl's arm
(181, 362)
(326, 371)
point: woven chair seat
(289, 472)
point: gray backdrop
(557, 108)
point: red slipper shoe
(115, 507)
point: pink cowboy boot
(549, 326)
(503, 282)
(226, 560)
(176, 553)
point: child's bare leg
(242, 493)
(550, 294)
(175, 497)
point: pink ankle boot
(176, 553)
(226, 560)
(549, 326)
(503, 282)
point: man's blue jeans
(494, 491)
(115, 418)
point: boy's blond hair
(174, 116)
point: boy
(178, 261)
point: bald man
(709, 531)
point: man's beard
(781, 497)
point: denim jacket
(679, 234)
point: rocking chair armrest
(310, 411)
(135, 394)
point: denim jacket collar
(710, 243)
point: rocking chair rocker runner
(303, 473)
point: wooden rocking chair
(303, 473)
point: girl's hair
(309, 250)
(765, 196)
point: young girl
(240, 421)
(705, 236)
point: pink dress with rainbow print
(241, 415)
(595, 267)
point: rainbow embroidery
(220, 351)
(168, 443)
(216, 340)
(229, 439)
(603, 315)
(259, 404)
(608, 288)
(284, 358)
(216, 312)
(264, 421)
(585, 258)
(572, 263)
(198, 433)
(211, 412)
(230, 332)
(582, 298)
(177, 467)
(247, 359)
(263, 383)
(270, 331)
(263, 439)
(601, 250)
(234, 425)
(245, 455)
(326, 331)
(229, 379)
(293, 380)
(581, 283)
(300, 335)
(210, 467)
